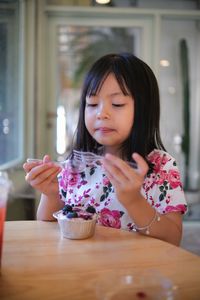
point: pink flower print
(72, 179)
(86, 193)
(63, 184)
(180, 207)
(152, 201)
(158, 161)
(148, 183)
(174, 178)
(165, 159)
(82, 182)
(80, 198)
(162, 176)
(110, 218)
(106, 181)
(168, 199)
(92, 201)
(64, 179)
(69, 179)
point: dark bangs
(100, 72)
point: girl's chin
(108, 146)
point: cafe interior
(46, 46)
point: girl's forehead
(108, 83)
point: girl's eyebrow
(110, 95)
(116, 93)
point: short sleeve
(162, 186)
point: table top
(38, 263)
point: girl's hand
(43, 175)
(126, 180)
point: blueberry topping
(67, 208)
(91, 209)
(72, 214)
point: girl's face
(109, 115)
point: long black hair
(137, 79)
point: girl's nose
(103, 112)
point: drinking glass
(4, 190)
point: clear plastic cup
(4, 190)
(135, 285)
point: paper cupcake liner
(76, 228)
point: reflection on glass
(10, 99)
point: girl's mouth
(104, 129)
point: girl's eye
(118, 105)
(91, 104)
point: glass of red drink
(4, 189)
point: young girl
(119, 116)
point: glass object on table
(5, 185)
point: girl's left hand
(126, 180)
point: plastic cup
(129, 285)
(4, 189)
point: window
(11, 112)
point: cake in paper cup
(76, 222)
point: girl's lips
(104, 129)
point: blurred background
(45, 49)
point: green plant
(184, 62)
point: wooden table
(38, 264)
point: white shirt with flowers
(162, 188)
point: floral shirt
(162, 188)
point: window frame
(26, 56)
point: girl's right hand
(43, 175)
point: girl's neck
(113, 150)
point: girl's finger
(143, 167)
(28, 166)
(114, 174)
(42, 171)
(31, 163)
(118, 181)
(45, 179)
(117, 163)
(46, 159)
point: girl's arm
(128, 183)
(47, 206)
(167, 227)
